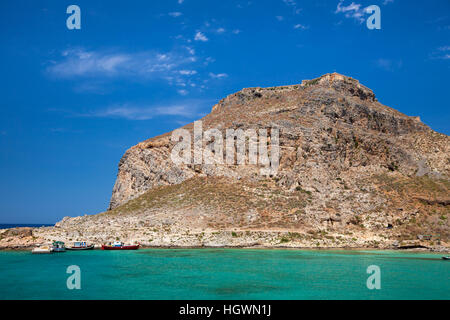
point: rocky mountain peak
(344, 84)
(332, 123)
(339, 83)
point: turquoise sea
(224, 274)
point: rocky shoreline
(20, 239)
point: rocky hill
(352, 173)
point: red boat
(119, 246)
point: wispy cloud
(218, 76)
(293, 5)
(183, 92)
(301, 27)
(353, 10)
(208, 61)
(244, 4)
(97, 71)
(210, 28)
(175, 14)
(190, 50)
(81, 63)
(130, 111)
(187, 72)
(441, 53)
(389, 64)
(290, 2)
(199, 36)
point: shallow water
(224, 274)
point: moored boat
(42, 249)
(446, 258)
(58, 246)
(81, 246)
(117, 245)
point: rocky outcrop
(353, 173)
(333, 122)
(17, 238)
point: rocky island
(352, 173)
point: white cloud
(131, 111)
(351, 7)
(199, 36)
(218, 76)
(212, 27)
(387, 2)
(175, 14)
(187, 72)
(388, 64)
(290, 2)
(209, 60)
(353, 10)
(180, 1)
(81, 63)
(441, 53)
(279, 18)
(293, 5)
(300, 26)
(244, 4)
(183, 92)
(190, 50)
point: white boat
(43, 249)
(81, 246)
(58, 246)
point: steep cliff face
(328, 126)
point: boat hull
(105, 247)
(80, 248)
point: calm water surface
(224, 274)
(18, 225)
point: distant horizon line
(26, 224)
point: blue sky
(73, 101)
